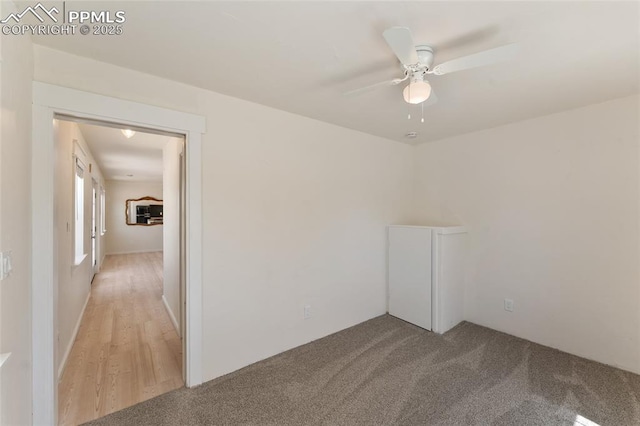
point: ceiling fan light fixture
(417, 92)
(128, 133)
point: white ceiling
(118, 157)
(301, 56)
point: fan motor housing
(425, 55)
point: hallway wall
(74, 279)
(171, 157)
(122, 238)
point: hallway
(127, 349)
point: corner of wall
(16, 75)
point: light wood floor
(127, 349)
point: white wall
(123, 238)
(294, 213)
(171, 228)
(552, 210)
(16, 71)
(74, 280)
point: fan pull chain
(409, 105)
(422, 105)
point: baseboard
(578, 354)
(134, 252)
(171, 316)
(63, 362)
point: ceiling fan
(417, 63)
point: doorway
(48, 101)
(125, 302)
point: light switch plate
(5, 264)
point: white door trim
(49, 100)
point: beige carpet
(388, 372)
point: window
(79, 212)
(103, 221)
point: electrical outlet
(307, 311)
(508, 305)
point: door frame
(49, 100)
(95, 188)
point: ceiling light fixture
(417, 91)
(128, 133)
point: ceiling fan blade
(401, 42)
(480, 59)
(393, 82)
(469, 37)
(382, 67)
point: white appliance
(426, 275)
